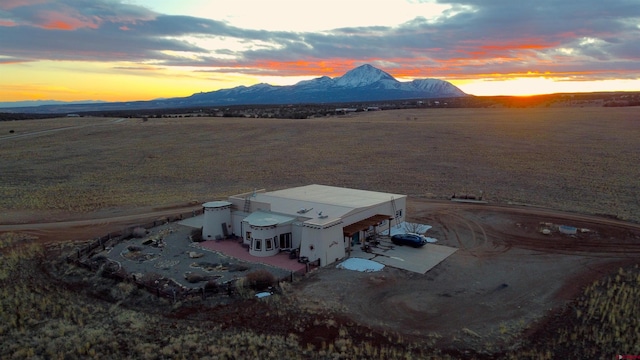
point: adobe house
(321, 222)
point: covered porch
(352, 232)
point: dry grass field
(576, 159)
(580, 160)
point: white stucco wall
(296, 234)
(215, 215)
(236, 221)
(324, 244)
(262, 235)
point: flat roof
(333, 195)
(318, 205)
(333, 201)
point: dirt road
(88, 226)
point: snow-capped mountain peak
(362, 76)
(322, 81)
(364, 83)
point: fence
(159, 286)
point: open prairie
(508, 292)
(575, 159)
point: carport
(350, 230)
(365, 224)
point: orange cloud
(7, 23)
(518, 46)
(58, 25)
(59, 21)
(331, 68)
(400, 68)
(397, 67)
(12, 4)
(500, 51)
(13, 61)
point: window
(268, 244)
(275, 241)
(257, 244)
(398, 213)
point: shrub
(260, 279)
(134, 248)
(139, 232)
(212, 286)
(195, 278)
(122, 290)
(196, 235)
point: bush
(195, 278)
(212, 286)
(196, 235)
(260, 279)
(139, 232)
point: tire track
(610, 237)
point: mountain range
(364, 83)
(32, 103)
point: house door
(355, 239)
(285, 241)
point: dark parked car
(409, 239)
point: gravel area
(168, 251)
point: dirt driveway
(504, 277)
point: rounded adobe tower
(217, 220)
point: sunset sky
(118, 50)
